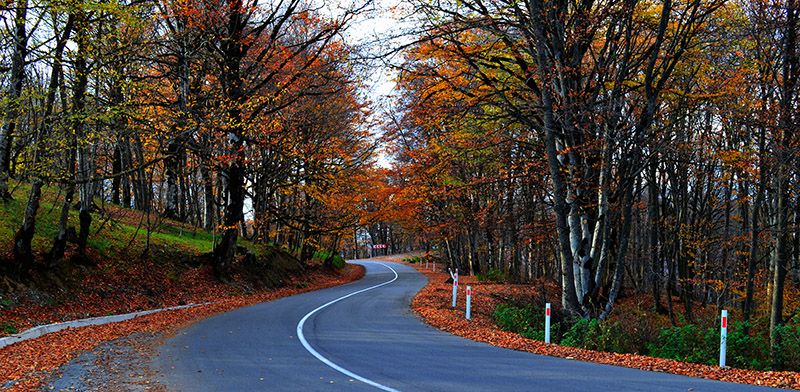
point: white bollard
(723, 338)
(427, 264)
(547, 323)
(469, 301)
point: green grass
(112, 239)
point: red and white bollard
(547, 323)
(455, 286)
(723, 338)
(469, 301)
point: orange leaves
(27, 363)
(432, 303)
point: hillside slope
(127, 268)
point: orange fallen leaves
(433, 304)
(28, 363)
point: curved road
(364, 337)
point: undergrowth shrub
(412, 259)
(8, 328)
(639, 325)
(598, 335)
(639, 331)
(334, 258)
(526, 321)
(788, 350)
(338, 262)
(747, 351)
(688, 343)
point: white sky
(380, 29)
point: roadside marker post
(723, 338)
(547, 323)
(469, 301)
(455, 285)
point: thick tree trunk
(226, 249)
(569, 297)
(23, 253)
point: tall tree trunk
(752, 260)
(22, 240)
(655, 255)
(23, 253)
(234, 52)
(624, 235)
(790, 73)
(84, 172)
(208, 196)
(569, 297)
(14, 93)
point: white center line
(328, 361)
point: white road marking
(328, 361)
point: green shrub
(598, 335)
(334, 258)
(321, 255)
(9, 328)
(492, 275)
(788, 350)
(338, 262)
(688, 343)
(747, 351)
(526, 321)
(412, 259)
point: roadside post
(455, 285)
(469, 301)
(547, 323)
(723, 338)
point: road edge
(28, 364)
(482, 329)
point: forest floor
(433, 304)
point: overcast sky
(380, 29)
(376, 28)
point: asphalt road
(369, 341)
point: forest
(240, 119)
(619, 149)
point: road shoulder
(433, 306)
